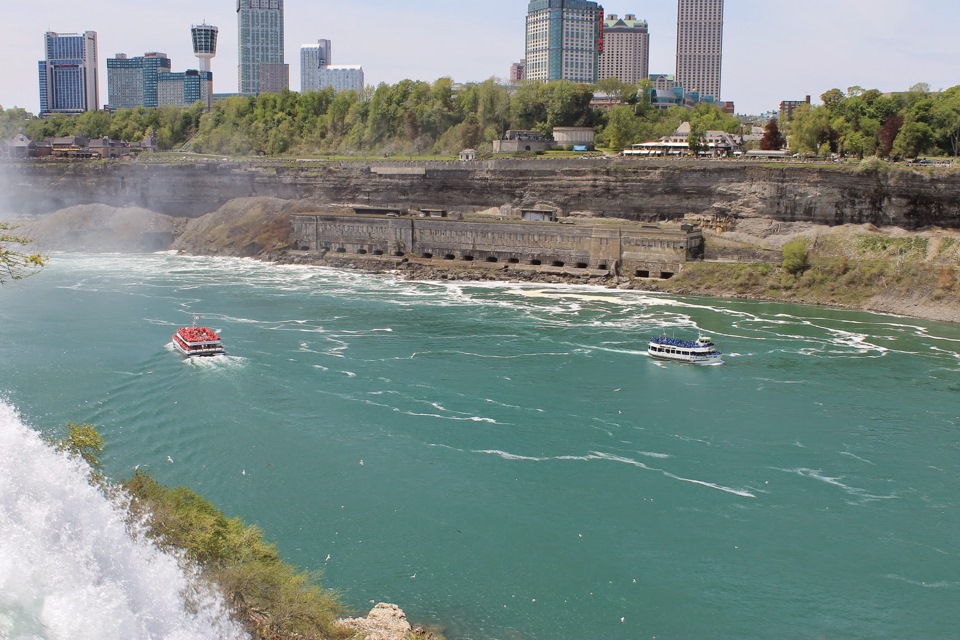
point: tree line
(410, 117)
(439, 118)
(862, 122)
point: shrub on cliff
(795, 257)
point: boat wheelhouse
(197, 341)
(699, 351)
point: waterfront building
(204, 38)
(700, 45)
(262, 68)
(564, 40)
(185, 88)
(626, 49)
(132, 82)
(317, 70)
(68, 74)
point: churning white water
(71, 569)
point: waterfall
(71, 569)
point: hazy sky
(773, 49)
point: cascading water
(69, 567)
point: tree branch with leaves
(15, 262)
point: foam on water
(70, 567)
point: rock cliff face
(639, 190)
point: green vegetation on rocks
(273, 599)
(916, 274)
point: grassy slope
(910, 274)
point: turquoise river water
(506, 462)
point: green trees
(864, 122)
(795, 257)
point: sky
(773, 50)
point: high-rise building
(205, 48)
(185, 88)
(317, 70)
(700, 45)
(68, 75)
(626, 49)
(132, 82)
(564, 40)
(262, 69)
(313, 58)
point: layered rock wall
(648, 190)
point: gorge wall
(647, 190)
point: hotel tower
(262, 69)
(700, 45)
(564, 40)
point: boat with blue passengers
(699, 351)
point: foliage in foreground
(274, 600)
(15, 263)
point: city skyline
(771, 53)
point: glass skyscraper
(68, 75)
(700, 46)
(132, 82)
(262, 68)
(564, 40)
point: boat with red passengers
(197, 341)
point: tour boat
(699, 351)
(197, 341)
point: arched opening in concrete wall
(558, 263)
(526, 148)
(426, 255)
(665, 275)
(514, 261)
(362, 252)
(491, 258)
(602, 266)
(377, 252)
(468, 258)
(449, 256)
(341, 250)
(536, 262)
(398, 254)
(582, 265)
(643, 273)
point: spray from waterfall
(70, 568)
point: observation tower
(205, 48)
(204, 44)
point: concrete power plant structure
(205, 48)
